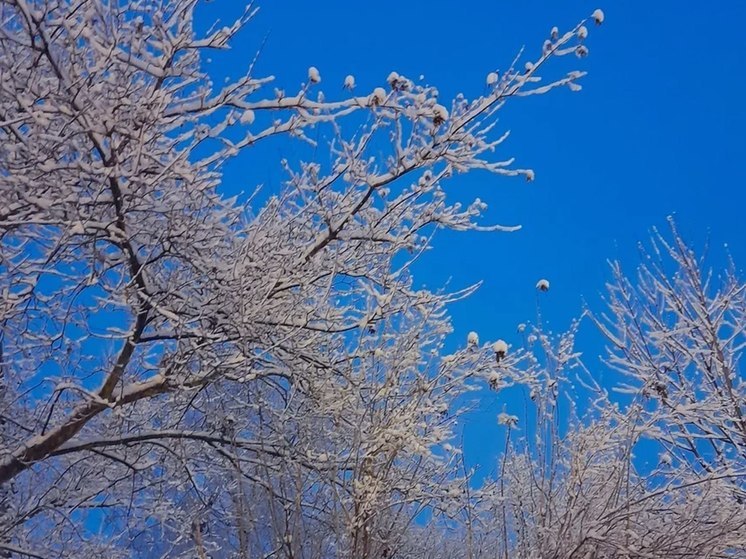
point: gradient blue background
(657, 129)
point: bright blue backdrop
(657, 129)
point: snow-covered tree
(654, 467)
(675, 337)
(186, 374)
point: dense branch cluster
(184, 374)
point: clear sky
(657, 129)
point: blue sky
(657, 129)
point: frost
(598, 16)
(349, 82)
(393, 80)
(521, 328)
(582, 32)
(542, 285)
(530, 175)
(492, 78)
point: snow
(581, 51)
(492, 78)
(500, 347)
(542, 285)
(45, 203)
(552, 386)
(521, 328)
(598, 16)
(393, 79)
(349, 82)
(554, 33)
(378, 97)
(247, 117)
(507, 419)
(440, 113)
(201, 132)
(530, 175)
(453, 491)
(313, 75)
(529, 66)
(472, 339)
(582, 32)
